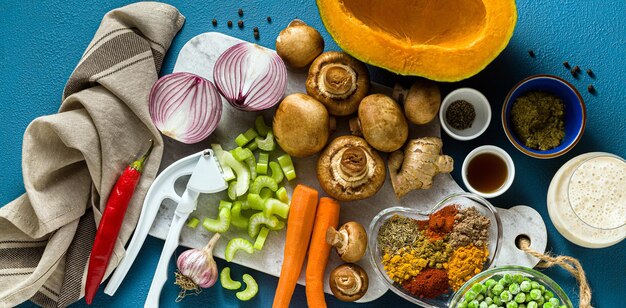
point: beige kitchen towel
(71, 159)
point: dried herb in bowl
(537, 119)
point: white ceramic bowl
(500, 153)
(481, 107)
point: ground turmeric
(465, 262)
(404, 264)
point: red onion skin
(229, 75)
(188, 93)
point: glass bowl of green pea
(510, 287)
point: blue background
(41, 42)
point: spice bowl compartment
(481, 108)
(574, 118)
(462, 201)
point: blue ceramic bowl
(575, 114)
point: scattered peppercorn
(269, 19)
(577, 69)
(590, 73)
(566, 64)
(214, 22)
(531, 53)
(573, 71)
(591, 89)
(230, 24)
(240, 24)
(256, 32)
(240, 12)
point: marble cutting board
(198, 56)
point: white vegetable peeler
(206, 177)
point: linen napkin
(72, 159)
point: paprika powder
(429, 283)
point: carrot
(319, 251)
(299, 226)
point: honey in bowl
(487, 172)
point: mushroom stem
(355, 127)
(337, 239)
(353, 162)
(332, 124)
(337, 81)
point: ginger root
(418, 165)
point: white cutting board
(198, 56)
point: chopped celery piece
(260, 239)
(258, 219)
(287, 165)
(221, 224)
(277, 172)
(261, 182)
(261, 164)
(251, 166)
(266, 193)
(279, 226)
(266, 144)
(255, 202)
(227, 170)
(252, 146)
(227, 282)
(237, 244)
(281, 194)
(243, 174)
(260, 126)
(232, 190)
(246, 137)
(252, 288)
(236, 219)
(193, 222)
(244, 204)
(241, 154)
(275, 207)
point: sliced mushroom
(339, 81)
(299, 44)
(381, 122)
(348, 282)
(349, 169)
(301, 125)
(350, 241)
(421, 101)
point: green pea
(483, 304)
(540, 301)
(520, 298)
(542, 288)
(508, 278)
(535, 294)
(462, 304)
(521, 306)
(502, 282)
(532, 304)
(535, 285)
(497, 300)
(511, 305)
(497, 289)
(473, 304)
(506, 296)
(547, 305)
(525, 286)
(548, 295)
(493, 306)
(470, 295)
(514, 288)
(488, 300)
(518, 278)
(480, 297)
(478, 288)
(554, 301)
(489, 294)
(490, 283)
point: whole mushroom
(350, 241)
(348, 282)
(381, 122)
(301, 125)
(339, 81)
(349, 169)
(299, 44)
(421, 101)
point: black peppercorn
(214, 22)
(230, 24)
(566, 64)
(590, 73)
(240, 12)
(240, 24)
(531, 53)
(576, 69)
(269, 19)
(591, 89)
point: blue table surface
(41, 42)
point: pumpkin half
(443, 40)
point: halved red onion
(185, 107)
(250, 77)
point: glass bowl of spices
(511, 286)
(465, 114)
(425, 256)
(544, 116)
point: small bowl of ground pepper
(544, 116)
(465, 114)
(426, 256)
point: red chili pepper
(110, 224)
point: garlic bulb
(196, 269)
